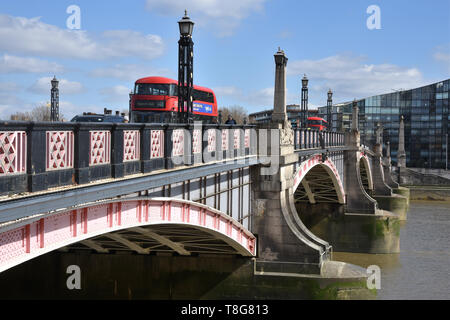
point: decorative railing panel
(211, 140)
(197, 141)
(156, 144)
(13, 152)
(131, 145)
(59, 146)
(178, 143)
(225, 135)
(236, 139)
(100, 146)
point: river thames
(421, 270)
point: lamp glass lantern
(330, 94)
(54, 83)
(186, 25)
(304, 81)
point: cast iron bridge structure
(180, 189)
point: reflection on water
(422, 268)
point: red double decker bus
(155, 99)
(317, 123)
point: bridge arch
(365, 172)
(161, 221)
(318, 181)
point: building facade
(293, 114)
(426, 116)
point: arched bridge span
(143, 225)
(318, 181)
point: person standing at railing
(230, 120)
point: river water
(422, 268)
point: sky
(99, 54)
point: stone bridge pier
(388, 193)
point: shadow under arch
(365, 173)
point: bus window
(152, 89)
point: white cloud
(222, 16)
(349, 77)
(34, 37)
(259, 99)
(8, 87)
(227, 91)
(442, 55)
(116, 94)
(43, 86)
(14, 64)
(251, 99)
(129, 72)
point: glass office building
(426, 116)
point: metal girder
(133, 246)
(309, 193)
(317, 186)
(309, 152)
(93, 245)
(163, 240)
(159, 238)
(364, 176)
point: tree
(39, 113)
(21, 116)
(237, 112)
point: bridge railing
(36, 156)
(314, 139)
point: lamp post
(329, 106)
(185, 69)
(130, 113)
(54, 96)
(304, 106)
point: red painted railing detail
(60, 146)
(100, 148)
(211, 140)
(131, 145)
(247, 138)
(197, 141)
(156, 144)
(225, 135)
(236, 139)
(178, 142)
(13, 152)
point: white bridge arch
(330, 171)
(122, 221)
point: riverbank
(429, 193)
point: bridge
(281, 199)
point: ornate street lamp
(185, 69)
(304, 106)
(329, 106)
(54, 96)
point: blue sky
(121, 41)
